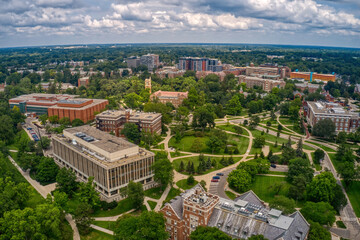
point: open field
(154, 192)
(97, 235)
(183, 184)
(230, 128)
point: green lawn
(96, 235)
(286, 121)
(195, 160)
(19, 136)
(306, 147)
(340, 224)
(262, 187)
(316, 165)
(269, 137)
(160, 146)
(353, 192)
(187, 141)
(154, 192)
(325, 148)
(272, 147)
(230, 128)
(183, 184)
(106, 224)
(334, 161)
(152, 204)
(122, 207)
(172, 194)
(230, 195)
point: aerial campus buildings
(345, 119)
(61, 105)
(112, 161)
(242, 217)
(114, 121)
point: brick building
(199, 64)
(132, 62)
(266, 84)
(114, 121)
(310, 76)
(344, 119)
(61, 105)
(176, 98)
(84, 81)
(241, 218)
(309, 86)
(203, 74)
(112, 161)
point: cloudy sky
(296, 22)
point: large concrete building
(265, 84)
(241, 218)
(344, 119)
(112, 161)
(199, 64)
(114, 121)
(176, 98)
(150, 60)
(61, 105)
(132, 62)
(311, 76)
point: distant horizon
(184, 43)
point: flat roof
(330, 109)
(103, 140)
(133, 114)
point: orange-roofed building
(176, 98)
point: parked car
(273, 165)
(216, 177)
(220, 174)
(215, 180)
(29, 128)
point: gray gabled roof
(250, 197)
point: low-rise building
(241, 218)
(84, 81)
(344, 119)
(309, 86)
(176, 98)
(112, 161)
(266, 84)
(312, 76)
(61, 105)
(114, 121)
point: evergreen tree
(208, 163)
(226, 150)
(262, 155)
(256, 156)
(181, 167)
(282, 146)
(231, 160)
(192, 168)
(288, 144)
(276, 144)
(188, 167)
(213, 163)
(236, 151)
(270, 154)
(299, 149)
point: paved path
(162, 198)
(102, 229)
(76, 235)
(112, 218)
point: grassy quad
(152, 204)
(195, 160)
(184, 185)
(106, 224)
(269, 137)
(353, 192)
(230, 128)
(186, 143)
(97, 235)
(154, 192)
(325, 148)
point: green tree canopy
(131, 132)
(321, 212)
(324, 128)
(208, 233)
(240, 180)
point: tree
(197, 145)
(217, 140)
(46, 170)
(317, 232)
(148, 225)
(181, 166)
(83, 218)
(299, 148)
(259, 142)
(87, 193)
(132, 100)
(66, 181)
(190, 180)
(300, 166)
(321, 212)
(54, 119)
(64, 121)
(240, 180)
(163, 171)
(349, 172)
(324, 128)
(6, 129)
(318, 155)
(135, 193)
(45, 142)
(208, 233)
(43, 118)
(341, 137)
(77, 122)
(257, 237)
(234, 106)
(131, 132)
(283, 203)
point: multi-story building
(84, 81)
(311, 76)
(112, 161)
(241, 218)
(199, 64)
(266, 84)
(344, 119)
(150, 60)
(114, 121)
(203, 74)
(169, 73)
(309, 86)
(133, 62)
(61, 105)
(176, 98)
